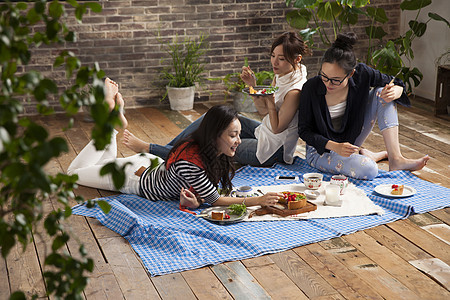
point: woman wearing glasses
(338, 109)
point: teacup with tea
(243, 191)
(313, 181)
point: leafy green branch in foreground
(26, 146)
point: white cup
(341, 181)
(244, 191)
(312, 181)
(332, 195)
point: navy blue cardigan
(314, 121)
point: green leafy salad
(237, 209)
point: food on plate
(237, 209)
(294, 200)
(219, 215)
(264, 91)
(397, 189)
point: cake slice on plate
(218, 215)
(397, 189)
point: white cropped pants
(89, 161)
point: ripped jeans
(356, 165)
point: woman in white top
(275, 138)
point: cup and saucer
(312, 182)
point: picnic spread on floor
(170, 240)
(277, 203)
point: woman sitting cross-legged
(194, 168)
(339, 108)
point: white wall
(430, 46)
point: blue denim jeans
(246, 152)
(356, 165)
(163, 151)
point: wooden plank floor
(406, 259)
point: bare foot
(375, 156)
(120, 103)
(134, 143)
(111, 89)
(408, 164)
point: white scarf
(268, 142)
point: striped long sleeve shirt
(165, 184)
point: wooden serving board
(283, 212)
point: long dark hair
(214, 123)
(341, 52)
(293, 46)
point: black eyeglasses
(332, 81)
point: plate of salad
(229, 214)
(260, 90)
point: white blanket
(354, 203)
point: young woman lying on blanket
(338, 110)
(192, 172)
(275, 138)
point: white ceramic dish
(311, 194)
(385, 190)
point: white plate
(385, 190)
(312, 194)
(258, 90)
(233, 218)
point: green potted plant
(315, 17)
(234, 85)
(186, 68)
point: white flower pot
(181, 98)
(243, 102)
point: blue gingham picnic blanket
(169, 240)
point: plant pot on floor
(181, 98)
(243, 102)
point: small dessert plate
(312, 194)
(385, 190)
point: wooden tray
(283, 212)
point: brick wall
(122, 39)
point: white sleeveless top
(269, 142)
